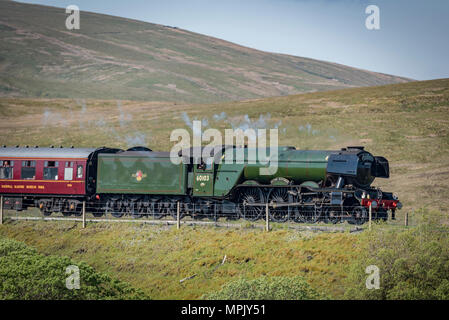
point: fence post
(370, 216)
(267, 218)
(406, 219)
(84, 214)
(1, 209)
(177, 216)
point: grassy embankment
(155, 258)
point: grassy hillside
(117, 58)
(407, 123)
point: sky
(412, 40)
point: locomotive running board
(297, 186)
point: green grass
(116, 58)
(155, 258)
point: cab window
(209, 163)
(201, 166)
(28, 169)
(206, 166)
(51, 170)
(6, 169)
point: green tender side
(140, 172)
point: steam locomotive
(308, 185)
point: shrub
(266, 288)
(413, 263)
(26, 274)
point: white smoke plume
(220, 117)
(53, 118)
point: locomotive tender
(308, 186)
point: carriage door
(203, 178)
(68, 171)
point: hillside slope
(118, 58)
(407, 123)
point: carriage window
(79, 172)
(51, 164)
(6, 169)
(28, 169)
(51, 170)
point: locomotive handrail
(329, 190)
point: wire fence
(296, 215)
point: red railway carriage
(43, 170)
(53, 179)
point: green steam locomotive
(305, 186)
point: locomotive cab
(203, 178)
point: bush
(265, 288)
(26, 274)
(413, 263)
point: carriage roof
(37, 152)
